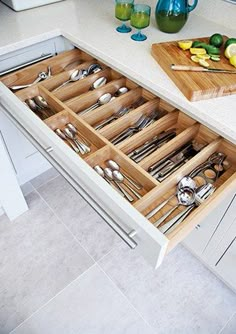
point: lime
(213, 50)
(185, 45)
(214, 57)
(216, 40)
(198, 44)
(230, 50)
(232, 60)
(197, 51)
(229, 41)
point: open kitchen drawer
(67, 105)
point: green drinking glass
(140, 19)
(123, 11)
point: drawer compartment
(128, 219)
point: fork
(138, 126)
(116, 115)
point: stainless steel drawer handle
(49, 149)
(197, 227)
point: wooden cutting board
(194, 85)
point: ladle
(185, 196)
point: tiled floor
(64, 271)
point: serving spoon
(75, 76)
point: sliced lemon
(195, 59)
(232, 60)
(230, 50)
(203, 63)
(206, 56)
(185, 45)
(198, 51)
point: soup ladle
(185, 196)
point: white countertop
(91, 26)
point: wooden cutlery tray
(70, 100)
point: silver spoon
(41, 102)
(61, 134)
(41, 76)
(114, 166)
(121, 91)
(105, 98)
(109, 175)
(71, 135)
(76, 75)
(185, 197)
(98, 83)
(120, 179)
(100, 172)
(75, 130)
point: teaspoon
(61, 134)
(108, 173)
(74, 129)
(114, 166)
(71, 135)
(100, 172)
(120, 179)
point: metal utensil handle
(159, 207)
(72, 145)
(132, 181)
(170, 168)
(84, 147)
(159, 167)
(92, 107)
(105, 122)
(178, 219)
(136, 194)
(120, 135)
(167, 214)
(126, 194)
(62, 85)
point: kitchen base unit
(91, 123)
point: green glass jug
(171, 15)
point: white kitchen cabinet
(127, 220)
(223, 257)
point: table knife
(200, 69)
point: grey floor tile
(44, 177)
(181, 297)
(38, 258)
(88, 227)
(27, 188)
(230, 328)
(90, 305)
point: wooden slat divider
(109, 109)
(85, 100)
(102, 149)
(130, 119)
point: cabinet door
(199, 240)
(26, 160)
(224, 259)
